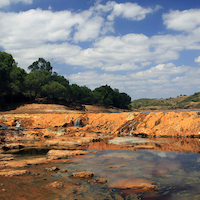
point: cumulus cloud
(162, 80)
(197, 59)
(145, 61)
(186, 20)
(94, 79)
(130, 11)
(161, 70)
(8, 2)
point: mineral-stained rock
(100, 180)
(8, 172)
(134, 184)
(6, 157)
(23, 163)
(56, 154)
(84, 175)
(51, 169)
(159, 124)
(143, 147)
(12, 146)
(56, 185)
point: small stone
(63, 170)
(35, 174)
(3, 190)
(100, 180)
(51, 169)
(84, 175)
(56, 185)
(95, 152)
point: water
(175, 174)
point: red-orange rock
(143, 147)
(84, 175)
(7, 172)
(55, 154)
(134, 184)
(56, 185)
(100, 180)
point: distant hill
(180, 102)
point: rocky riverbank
(77, 131)
(59, 137)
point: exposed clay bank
(184, 124)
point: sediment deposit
(127, 123)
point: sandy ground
(54, 108)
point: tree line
(16, 85)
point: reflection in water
(176, 175)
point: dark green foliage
(54, 90)
(35, 80)
(11, 79)
(41, 64)
(106, 96)
(17, 76)
(41, 82)
(6, 64)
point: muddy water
(176, 175)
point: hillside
(180, 102)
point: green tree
(54, 90)
(6, 64)
(86, 95)
(63, 81)
(76, 92)
(35, 80)
(17, 77)
(103, 95)
(41, 64)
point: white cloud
(60, 53)
(122, 67)
(164, 80)
(186, 20)
(197, 60)
(130, 11)
(160, 71)
(33, 27)
(89, 29)
(93, 79)
(8, 2)
(56, 36)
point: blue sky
(148, 49)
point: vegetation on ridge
(180, 102)
(16, 85)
